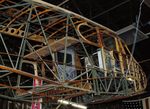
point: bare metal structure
(48, 53)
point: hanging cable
(143, 61)
(116, 6)
(135, 35)
(75, 4)
(137, 26)
(63, 2)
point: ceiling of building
(113, 14)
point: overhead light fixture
(65, 102)
(128, 34)
(130, 79)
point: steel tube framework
(73, 57)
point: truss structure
(48, 53)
